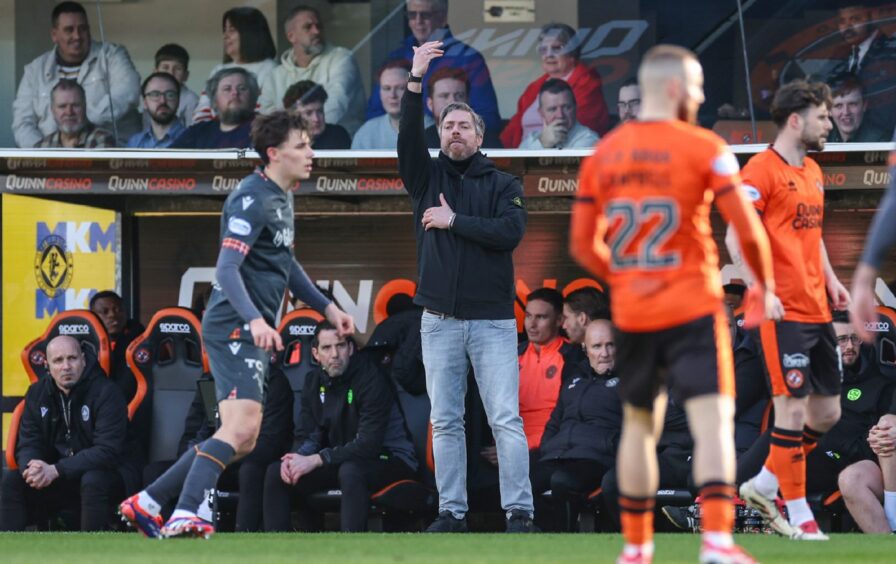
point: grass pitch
(124, 548)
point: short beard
(814, 144)
(314, 50)
(163, 120)
(237, 116)
(72, 129)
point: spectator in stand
(70, 440)
(161, 98)
(248, 45)
(312, 58)
(174, 59)
(446, 86)
(104, 70)
(849, 114)
(559, 127)
(309, 99)
(869, 54)
(428, 21)
(382, 132)
(73, 129)
(580, 439)
(580, 308)
(353, 436)
(559, 50)
(629, 102)
(234, 95)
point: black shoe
(519, 521)
(681, 517)
(447, 523)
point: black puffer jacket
(466, 271)
(83, 431)
(587, 420)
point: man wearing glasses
(629, 104)
(161, 98)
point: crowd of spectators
(565, 107)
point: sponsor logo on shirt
(796, 360)
(752, 193)
(239, 226)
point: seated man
(104, 70)
(312, 58)
(161, 98)
(445, 86)
(70, 441)
(580, 308)
(428, 21)
(309, 100)
(580, 439)
(353, 436)
(868, 486)
(542, 359)
(109, 307)
(629, 103)
(233, 92)
(174, 59)
(849, 114)
(560, 128)
(382, 132)
(73, 129)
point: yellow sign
(55, 257)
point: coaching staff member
(469, 216)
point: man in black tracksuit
(71, 439)
(353, 436)
(469, 217)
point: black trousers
(357, 480)
(570, 482)
(95, 493)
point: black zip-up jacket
(85, 430)
(352, 417)
(587, 420)
(465, 271)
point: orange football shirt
(654, 183)
(790, 200)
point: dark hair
(402, 64)
(549, 295)
(212, 85)
(840, 316)
(304, 91)
(273, 129)
(442, 73)
(256, 43)
(555, 86)
(321, 327)
(478, 122)
(68, 84)
(165, 75)
(735, 289)
(105, 294)
(796, 97)
(590, 301)
(173, 52)
(66, 8)
(631, 81)
(566, 34)
(298, 10)
(844, 83)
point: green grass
(120, 548)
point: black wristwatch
(412, 78)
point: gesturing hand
(438, 217)
(423, 55)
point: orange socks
(716, 508)
(788, 461)
(636, 514)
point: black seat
(297, 332)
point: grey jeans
(450, 345)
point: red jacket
(591, 107)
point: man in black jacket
(71, 439)
(469, 217)
(353, 436)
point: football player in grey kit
(255, 266)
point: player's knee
(856, 478)
(887, 419)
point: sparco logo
(877, 327)
(174, 328)
(298, 330)
(80, 329)
(796, 360)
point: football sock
(788, 461)
(717, 512)
(210, 461)
(636, 514)
(890, 509)
(766, 483)
(810, 439)
(168, 485)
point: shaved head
(671, 81)
(65, 362)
